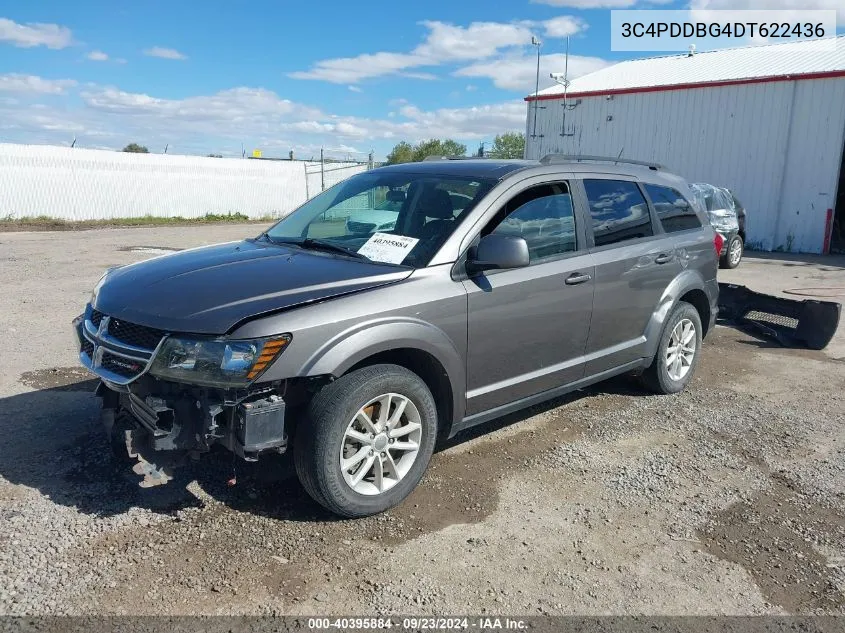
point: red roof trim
(689, 86)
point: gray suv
(356, 347)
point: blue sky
(209, 77)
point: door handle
(577, 278)
(663, 258)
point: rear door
(527, 327)
(634, 263)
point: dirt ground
(726, 499)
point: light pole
(538, 44)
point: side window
(541, 215)
(619, 211)
(674, 211)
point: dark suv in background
(356, 348)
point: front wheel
(677, 353)
(733, 253)
(367, 440)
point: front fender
(350, 347)
(682, 284)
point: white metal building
(767, 122)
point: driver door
(528, 327)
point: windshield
(390, 217)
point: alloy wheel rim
(380, 444)
(681, 349)
(736, 251)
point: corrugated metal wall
(777, 145)
(83, 184)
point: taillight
(718, 243)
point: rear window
(673, 210)
(618, 210)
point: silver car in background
(727, 217)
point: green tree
(436, 147)
(401, 153)
(508, 145)
(134, 148)
(404, 152)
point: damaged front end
(167, 397)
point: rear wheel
(367, 441)
(677, 353)
(733, 253)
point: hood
(209, 290)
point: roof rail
(554, 159)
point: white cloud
(164, 53)
(354, 89)
(35, 34)
(444, 43)
(221, 122)
(97, 56)
(353, 69)
(518, 72)
(447, 42)
(563, 26)
(30, 84)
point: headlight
(216, 363)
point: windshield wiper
(266, 236)
(318, 244)
(313, 244)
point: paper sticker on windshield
(387, 248)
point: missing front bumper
(808, 323)
(161, 423)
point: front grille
(137, 335)
(129, 333)
(121, 366)
(88, 347)
(773, 319)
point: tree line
(507, 145)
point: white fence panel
(84, 184)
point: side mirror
(496, 252)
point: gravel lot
(726, 499)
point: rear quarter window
(673, 210)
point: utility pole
(322, 171)
(536, 42)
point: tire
(733, 253)
(334, 412)
(116, 423)
(657, 377)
